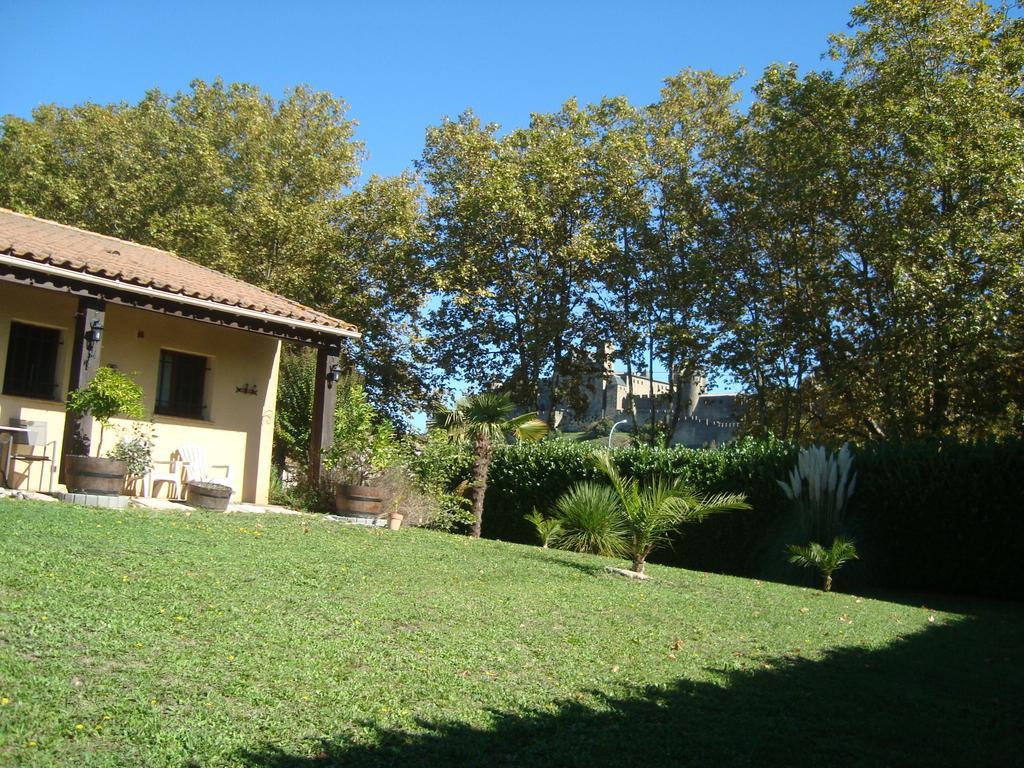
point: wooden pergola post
(325, 396)
(85, 361)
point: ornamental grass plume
(820, 487)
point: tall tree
(513, 250)
(934, 242)
(261, 188)
(780, 197)
(873, 239)
(688, 132)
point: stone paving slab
(244, 507)
(172, 505)
(373, 522)
(261, 509)
(161, 504)
(94, 500)
(11, 493)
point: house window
(181, 385)
(31, 369)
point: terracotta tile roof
(59, 245)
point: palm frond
(450, 419)
(604, 462)
(487, 408)
(548, 528)
(806, 555)
(527, 427)
(718, 503)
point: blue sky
(400, 66)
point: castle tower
(692, 385)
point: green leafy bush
(937, 516)
(364, 444)
(442, 468)
(941, 515)
(135, 449)
(293, 417)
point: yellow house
(203, 346)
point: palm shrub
(825, 560)
(820, 487)
(591, 521)
(548, 528)
(632, 518)
(485, 419)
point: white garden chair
(172, 477)
(197, 468)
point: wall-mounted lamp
(333, 375)
(92, 338)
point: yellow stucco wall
(237, 429)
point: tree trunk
(639, 561)
(828, 583)
(651, 441)
(482, 449)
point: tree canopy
(847, 246)
(257, 187)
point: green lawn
(154, 639)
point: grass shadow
(549, 557)
(948, 695)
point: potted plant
(364, 446)
(109, 394)
(354, 472)
(135, 449)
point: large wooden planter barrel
(358, 500)
(90, 474)
(208, 496)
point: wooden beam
(325, 396)
(85, 361)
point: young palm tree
(826, 559)
(650, 513)
(485, 419)
(820, 487)
(630, 518)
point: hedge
(936, 516)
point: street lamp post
(612, 431)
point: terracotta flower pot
(395, 520)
